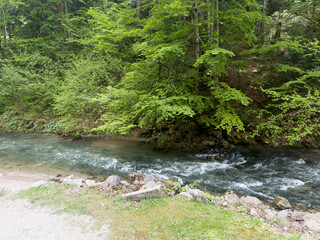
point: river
(264, 172)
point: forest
(181, 72)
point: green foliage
(297, 117)
(108, 67)
(27, 83)
(83, 81)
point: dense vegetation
(177, 70)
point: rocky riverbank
(282, 215)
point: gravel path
(20, 220)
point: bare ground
(20, 220)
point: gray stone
(312, 221)
(187, 188)
(297, 216)
(148, 178)
(232, 199)
(195, 193)
(251, 201)
(282, 216)
(112, 181)
(186, 195)
(124, 183)
(70, 180)
(149, 184)
(270, 214)
(91, 183)
(254, 212)
(217, 200)
(171, 194)
(145, 193)
(1, 174)
(281, 203)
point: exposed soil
(20, 220)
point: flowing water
(265, 173)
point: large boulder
(137, 180)
(251, 201)
(150, 184)
(231, 199)
(145, 193)
(196, 194)
(186, 195)
(112, 181)
(281, 203)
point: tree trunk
(2, 49)
(218, 27)
(5, 29)
(138, 8)
(278, 26)
(197, 29)
(265, 7)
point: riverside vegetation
(181, 72)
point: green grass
(156, 218)
(3, 192)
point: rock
(232, 199)
(112, 181)
(253, 212)
(251, 201)
(70, 180)
(219, 157)
(195, 193)
(91, 183)
(187, 195)
(225, 143)
(125, 183)
(217, 200)
(145, 193)
(137, 180)
(149, 178)
(1, 174)
(312, 221)
(150, 184)
(300, 207)
(297, 216)
(270, 214)
(55, 180)
(187, 188)
(171, 194)
(282, 216)
(209, 143)
(281, 203)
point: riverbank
(193, 141)
(156, 218)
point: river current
(264, 172)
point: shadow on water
(265, 173)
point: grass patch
(156, 218)
(3, 192)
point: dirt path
(20, 220)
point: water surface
(265, 173)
